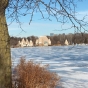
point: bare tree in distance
(62, 10)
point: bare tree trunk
(5, 57)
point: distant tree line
(77, 38)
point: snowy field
(71, 63)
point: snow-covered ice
(71, 63)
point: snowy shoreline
(71, 65)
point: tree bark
(5, 57)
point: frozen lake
(71, 63)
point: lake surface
(69, 62)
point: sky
(40, 27)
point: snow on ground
(71, 63)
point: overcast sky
(40, 27)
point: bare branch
(64, 11)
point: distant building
(30, 43)
(43, 41)
(66, 42)
(49, 42)
(36, 42)
(25, 43)
(51, 34)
